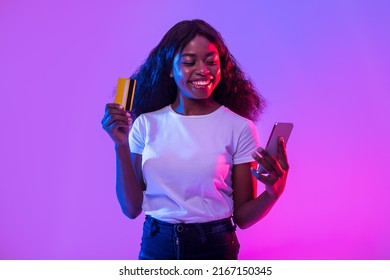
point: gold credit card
(125, 93)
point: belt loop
(234, 224)
(152, 228)
(201, 233)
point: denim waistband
(206, 228)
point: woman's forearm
(254, 210)
(128, 188)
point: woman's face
(196, 70)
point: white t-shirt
(187, 162)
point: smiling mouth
(201, 84)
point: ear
(171, 74)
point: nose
(202, 68)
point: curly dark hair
(156, 89)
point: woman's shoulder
(232, 116)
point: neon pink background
(323, 65)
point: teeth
(200, 83)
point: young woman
(187, 152)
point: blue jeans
(215, 240)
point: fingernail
(120, 107)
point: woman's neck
(187, 106)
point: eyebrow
(194, 55)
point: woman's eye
(188, 63)
(212, 62)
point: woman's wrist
(122, 147)
(271, 196)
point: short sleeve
(247, 143)
(137, 136)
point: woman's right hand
(117, 122)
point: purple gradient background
(323, 65)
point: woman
(185, 155)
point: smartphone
(125, 93)
(278, 130)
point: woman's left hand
(276, 167)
